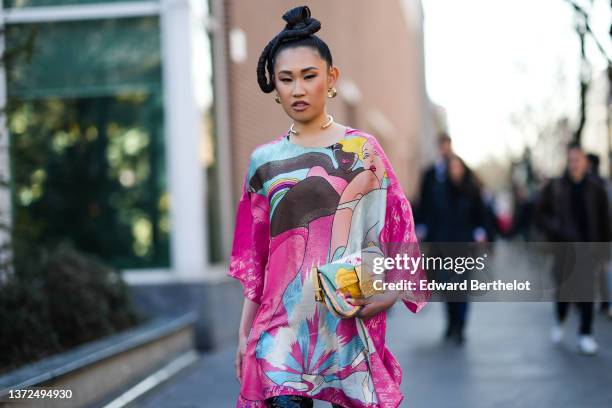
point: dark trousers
(586, 315)
(574, 273)
(457, 316)
(292, 401)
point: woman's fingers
(367, 312)
(372, 305)
(362, 313)
(356, 302)
(370, 309)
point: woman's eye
(309, 76)
(286, 80)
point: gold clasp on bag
(318, 291)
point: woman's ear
(332, 76)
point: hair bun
(297, 17)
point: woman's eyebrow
(302, 70)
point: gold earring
(331, 92)
(277, 98)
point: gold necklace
(330, 120)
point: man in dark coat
(573, 211)
(434, 195)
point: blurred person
(522, 216)
(522, 180)
(466, 223)
(468, 218)
(319, 192)
(574, 208)
(433, 195)
(606, 267)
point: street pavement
(507, 360)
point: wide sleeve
(398, 239)
(250, 246)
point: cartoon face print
(372, 160)
(346, 160)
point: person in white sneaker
(587, 344)
(573, 210)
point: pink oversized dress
(304, 206)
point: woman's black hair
(298, 32)
(469, 184)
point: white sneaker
(587, 345)
(556, 334)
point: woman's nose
(298, 89)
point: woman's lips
(373, 168)
(300, 106)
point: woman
(466, 225)
(320, 192)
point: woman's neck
(312, 127)
(311, 133)
(324, 137)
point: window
(86, 132)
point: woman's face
(302, 80)
(456, 170)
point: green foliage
(56, 300)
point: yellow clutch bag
(333, 281)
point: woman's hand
(242, 341)
(249, 310)
(374, 304)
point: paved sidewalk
(507, 361)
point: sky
(488, 61)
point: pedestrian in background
(434, 194)
(574, 209)
(466, 224)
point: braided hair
(298, 32)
